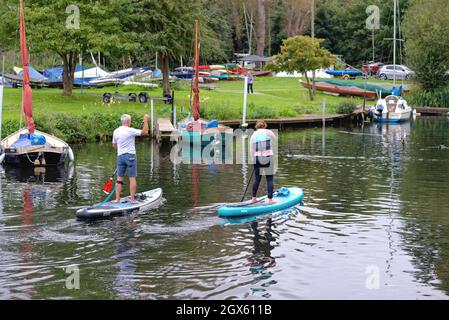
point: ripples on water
(375, 224)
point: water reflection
(261, 260)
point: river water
(374, 225)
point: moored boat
(27, 146)
(391, 109)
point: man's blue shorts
(127, 161)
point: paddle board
(114, 209)
(285, 198)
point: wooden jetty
(165, 130)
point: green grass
(72, 117)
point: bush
(346, 107)
(436, 98)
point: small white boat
(38, 149)
(391, 109)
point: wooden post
(245, 95)
(173, 109)
(152, 116)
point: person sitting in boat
(262, 155)
(124, 140)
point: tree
(261, 25)
(301, 54)
(427, 42)
(67, 29)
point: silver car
(399, 72)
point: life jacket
(261, 141)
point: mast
(196, 91)
(394, 42)
(27, 94)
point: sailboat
(393, 108)
(197, 130)
(28, 146)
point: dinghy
(29, 147)
(285, 198)
(110, 209)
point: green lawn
(273, 97)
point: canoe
(110, 209)
(340, 90)
(339, 73)
(285, 199)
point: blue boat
(285, 198)
(351, 73)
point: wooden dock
(165, 130)
(302, 120)
(432, 111)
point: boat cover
(28, 140)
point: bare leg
(118, 189)
(132, 188)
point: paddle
(249, 182)
(107, 187)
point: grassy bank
(83, 116)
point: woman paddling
(262, 154)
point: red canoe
(340, 90)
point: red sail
(196, 90)
(27, 94)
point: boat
(193, 129)
(340, 90)
(285, 198)
(27, 146)
(261, 73)
(219, 74)
(110, 209)
(382, 91)
(346, 73)
(393, 108)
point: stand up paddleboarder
(124, 140)
(262, 154)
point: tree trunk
(261, 26)
(308, 86)
(164, 65)
(68, 73)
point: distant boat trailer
(142, 97)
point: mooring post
(173, 109)
(245, 95)
(152, 116)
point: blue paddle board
(285, 198)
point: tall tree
(427, 46)
(301, 54)
(261, 25)
(67, 29)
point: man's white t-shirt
(124, 138)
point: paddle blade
(107, 187)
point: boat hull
(29, 159)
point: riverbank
(84, 117)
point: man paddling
(262, 153)
(124, 140)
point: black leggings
(270, 184)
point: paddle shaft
(249, 182)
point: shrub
(346, 107)
(436, 98)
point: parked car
(399, 72)
(372, 68)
